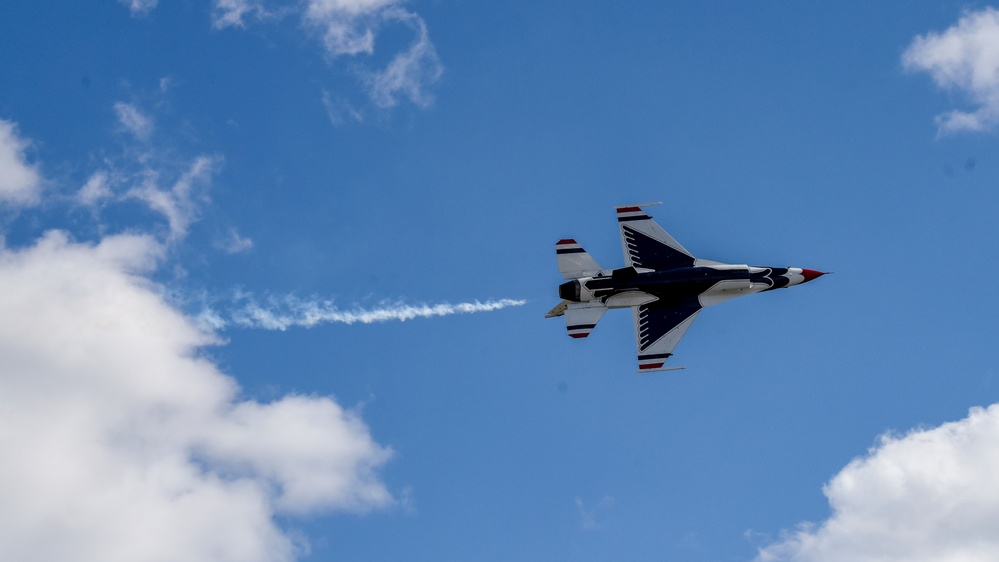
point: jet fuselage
(711, 283)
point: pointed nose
(810, 274)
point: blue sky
(204, 203)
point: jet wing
(659, 327)
(646, 244)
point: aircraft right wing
(659, 327)
(646, 244)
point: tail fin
(573, 261)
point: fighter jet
(664, 285)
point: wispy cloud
(588, 515)
(964, 58)
(233, 13)
(340, 110)
(134, 121)
(20, 182)
(180, 202)
(929, 495)
(410, 71)
(350, 28)
(173, 186)
(140, 7)
(233, 243)
(281, 313)
(96, 189)
(347, 27)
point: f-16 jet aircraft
(663, 284)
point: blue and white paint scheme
(663, 284)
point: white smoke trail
(286, 312)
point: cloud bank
(124, 443)
(964, 58)
(930, 495)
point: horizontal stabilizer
(581, 318)
(573, 261)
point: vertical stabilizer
(573, 261)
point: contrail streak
(288, 312)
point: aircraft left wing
(646, 244)
(659, 327)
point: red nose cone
(810, 274)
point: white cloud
(140, 7)
(326, 8)
(122, 442)
(287, 312)
(410, 71)
(20, 182)
(964, 58)
(232, 13)
(340, 110)
(930, 495)
(155, 177)
(179, 203)
(234, 243)
(588, 516)
(133, 120)
(349, 28)
(95, 190)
